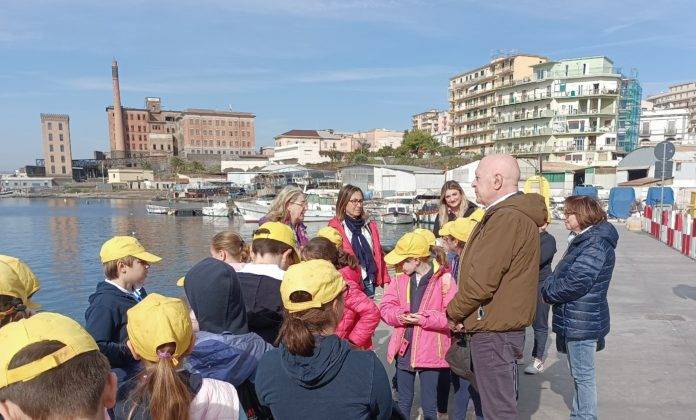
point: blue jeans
(463, 392)
(581, 355)
(428, 386)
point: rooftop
(641, 158)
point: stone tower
(118, 146)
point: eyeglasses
(356, 201)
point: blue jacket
(578, 286)
(106, 321)
(335, 382)
(226, 357)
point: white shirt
(501, 199)
(574, 235)
(270, 270)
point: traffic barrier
(674, 228)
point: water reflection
(60, 240)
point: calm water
(60, 240)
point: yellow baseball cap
(331, 234)
(319, 278)
(411, 245)
(280, 232)
(158, 320)
(427, 234)
(461, 228)
(43, 326)
(180, 281)
(26, 276)
(124, 246)
(12, 285)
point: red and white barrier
(674, 228)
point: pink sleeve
(368, 319)
(436, 319)
(391, 308)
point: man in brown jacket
(498, 276)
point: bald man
(498, 277)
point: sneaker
(537, 366)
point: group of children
(150, 356)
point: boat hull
(398, 219)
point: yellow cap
(427, 234)
(280, 232)
(180, 281)
(43, 326)
(319, 278)
(26, 276)
(158, 320)
(12, 285)
(331, 234)
(411, 245)
(462, 227)
(124, 246)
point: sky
(349, 65)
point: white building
(391, 180)
(24, 183)
(663, 124)
(129, 175)
(465, 175)
(436, 123)
(299, 153)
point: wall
(362, 176)
(243, 164)
(299, 153)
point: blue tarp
(654, 196)
(620, 201)
(589, 191)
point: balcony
(543, 131)
(522, 99)
(479, 105)
(585, 93)
(530, 115)
(543, 149)
(586, 130)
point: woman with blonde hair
(453, 204)
(289, 207)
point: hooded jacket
(224, 349)
(579, 284)
(261, 290)
(360, 314)
(499, 269)
(377, 252)
(106, 320)
(431, 338)
(335, 382)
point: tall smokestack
(119, 148)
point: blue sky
(343, 64)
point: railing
(522, 99)
(583, 92)
(531, 115)
(537, 149)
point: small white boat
(397, 215)
(216, 210)
(253, 211)
(155, 209)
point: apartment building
(678, 96)
(663, 124)
(567, 110)
(211, 132)
(472, 97)
(377, 138)
(55, 132)
(434, 122)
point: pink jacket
(360, 314)
(431, 338)
(382, 273)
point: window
(62, 159)
(53, 169)
(141, 146)
(131, 128)
(130, 116)
(584, 68)
(217, 132)
(60, 126)
(50, 126)
(154, 147)
(62, 148)
(169, 147)
(64, 170)
(61, 137)
(198, 132)
(50, 137)
(50, 148)
(161, 147)
(191, 131)
(52, 159)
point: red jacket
(360, 314)
(377, 253)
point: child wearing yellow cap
(160, 335)
(454, 236)
(273, 250)
(14, 296)
(414, 303)
(51, 368)
(313, 374)
(360, 314)
(126, 264)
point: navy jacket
(106, 321)
(264, 307)
(578, 286)
(548, 250)
(335, 382)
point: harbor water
(60, 240)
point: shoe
(537, 366)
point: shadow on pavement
(555, 377)
(685, 291)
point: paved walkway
(648, 369)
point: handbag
(459, 358)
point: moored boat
(216, 210)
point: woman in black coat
(453, 204)
(577, 289)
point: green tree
(177, 164)
(334, 155)
(386, 151)
(417, 142)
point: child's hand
(412, 319)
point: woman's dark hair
(320, 248)
(344, 195)
(586, 209)
(299, 328)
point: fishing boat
(156, 209)
(216, 210)
(398, 215)
(253, 211)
